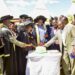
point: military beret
(6, 17)
(23, 16)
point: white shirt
(42, 34)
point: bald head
(62, 22)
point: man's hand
(56, 42)
(44, 45)
(41, 44)
(73, 51)
(30, 45)
(46, 36)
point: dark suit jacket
(50, 32)
(22, 52)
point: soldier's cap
(6, 17)
(23, 16)
(28, 23)
(40, 18)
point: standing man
(25, 36)
(1, 55)
(68, 40)
(10, 63)
(51, 31)
(69, 47)
(40, 30)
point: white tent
(40, 9)
(72, 8)
(3, 9)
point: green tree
(73, 1)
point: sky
(38, 7)
(61, 7)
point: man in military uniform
(1, 55)
(26, 37)
(1, 65)
(10, 63)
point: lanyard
(37, 34)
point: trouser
(10, 66)
(68, 64)
(1, 66)
(72, 61)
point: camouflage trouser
(1, 66)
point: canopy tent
(4, 9)
(33, 8)
(40, 9)
(72, 8)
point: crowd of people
(18, 38)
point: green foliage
(73, 1)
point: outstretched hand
(41, 44)
(73, 51)
(30, 45)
